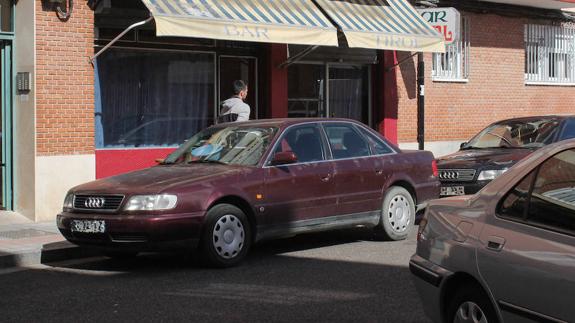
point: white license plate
(452, 190)
(88, 226)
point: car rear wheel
(226, 237)
(470, 305)
(397, 215)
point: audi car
(234, 184)
(498, 147)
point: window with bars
(453, 65)
(550, 54)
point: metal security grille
(550, 54)
(454, 63)
(456, 175)
(111, 202)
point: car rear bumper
(428, 279)
(136, 232)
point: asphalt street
(343, 276)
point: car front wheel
(397, 215)
(226, 236)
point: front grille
(456, 175)
(98, 202)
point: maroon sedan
(237, 183)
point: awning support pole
(138, 24)
(420, 101)
(297, 57)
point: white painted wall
(438, 148)
(55, 175)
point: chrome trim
(457, 175)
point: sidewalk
(25, 243)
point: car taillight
(434, 168)
(422, 225)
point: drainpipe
(420, 101)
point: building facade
(79, 121)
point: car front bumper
(428, 279)
(136, 232)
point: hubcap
(228, 236)
(399, 215)
(469, 312)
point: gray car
(507, 253)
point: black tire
(470, 301)
(397, 199)
(226, 236)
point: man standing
(234, 108)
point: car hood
(495, 158)
(157, 179)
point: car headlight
(151, 202)
(69, 201)
(490, 174)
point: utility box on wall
(23, 85)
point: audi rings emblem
(448, 175)
(94, 202)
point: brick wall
(496, 87)
(64, 81)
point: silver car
(507, 253)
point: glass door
(306, 91)
(243, 68)
(6, 123)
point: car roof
(536, 118)
(286, 122)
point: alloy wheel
(228, 236)
(469, 312)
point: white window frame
(453, 65)
(550, 55)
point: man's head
(240, 89)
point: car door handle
(495, 243)
(326, 178)
(378, 172)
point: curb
(52, 252)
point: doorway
(6, 124)
(243, 68)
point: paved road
(335, 277)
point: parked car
(507, 253)
(237, 183)
(498, 147)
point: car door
(527, 257)
(356, 182)
(298, 194)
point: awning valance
(383, 24)
(269, 21)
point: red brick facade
(496, 87)
(65, 81)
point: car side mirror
(284, 158)
(463, 144)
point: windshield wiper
(207, 161)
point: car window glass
(304, 142)
(569, 130)
(516, 134)
(551, 202)
(345, 141)
(378, 147)
(553, 199)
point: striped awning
(383, 24)
(269, 21)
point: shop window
(152, 98)
(306, 91)
(550, 54)
(453, 65)
(546, 197)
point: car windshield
(233, 145)
(516, 134)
